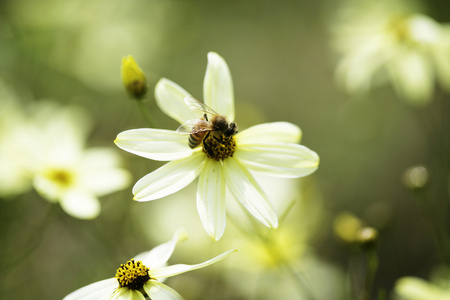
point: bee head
(231, 130)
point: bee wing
(198, 106)
(194, 126)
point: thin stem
(145, 113)
(372, 267)
(300, 284)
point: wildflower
(15, 165)
(221, 162)
(413, 288)
(133, 78)
(347, 227)
(382, 41)
(143, 276)
(66, 172)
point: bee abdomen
(195, 139)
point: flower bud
(346, 226)
(367, 237)
(133, 78)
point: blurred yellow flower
(133, 78)
(143, 276)
(381, 40)
(270, 148)
(346, 226)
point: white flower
(269, 148)
(15, 177)
(413, 288)
(67, 172)
(382, 40)
(145, 272)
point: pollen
(219, 149)
(132, 275)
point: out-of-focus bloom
(265, 255)
(413, 288)
(381, 40)
(367, 237)
(65, 171)
(133, 78)
(15, 142)
(415, 177)
(346, 226)
(45, 149)
(269, 148)
(143, 276)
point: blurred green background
(282, 65)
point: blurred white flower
(143, 275)
(286, 256)
(413, 288)
(381, 40)
(65, 171)
(15, 175)
(44, 148)
(269, 148)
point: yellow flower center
(218, 148)
(132, 275)
(61, 177)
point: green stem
(145, 113)
(300, 284)
(372, 267)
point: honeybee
(210, 124)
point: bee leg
(205, 116)
(218, 139)
(208, 149)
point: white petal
(442, 63)
(276, 159)
(412, 76)
(127, 294)
(245, 189)
(218, 86)
(418, 289)
(80, 204)
(105, 181)
(157, 144)
(160, 291)
(100, 157)
(355, 70)
(94, 291)
(276, 132)
(181, 268)
(170, 99)
(169, 179)
(211, 199)
(159, 255)
(99, 171)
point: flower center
(60, 177)
(218, 148)
(132, 275)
